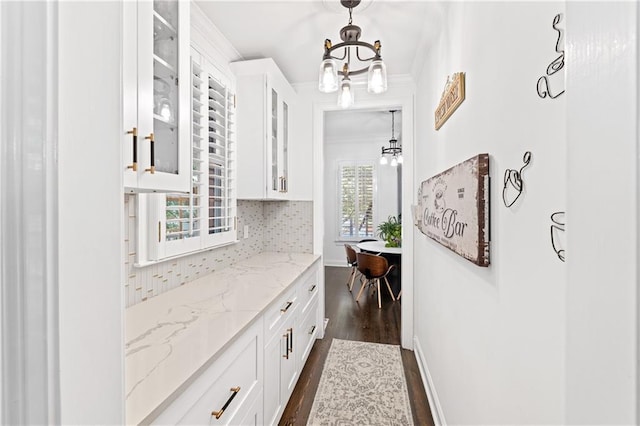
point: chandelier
(394, 150)
(351, 47)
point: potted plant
(391, 232)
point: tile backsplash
(281, 226)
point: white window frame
(154, 206)
(374, 197)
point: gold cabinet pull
(134, 165)
(152, 168)
(290, 331)
(286, 352)
(219, 413)
(286, 308)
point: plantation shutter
(356, 186)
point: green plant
(391, 232)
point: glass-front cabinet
(265, 99)
(156, 75)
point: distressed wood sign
(452, 97)
(453, 209)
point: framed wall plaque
(452, 96)
(453, 209)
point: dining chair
(373, 268)
(353, 262)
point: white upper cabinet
(264, 108)
(156, 96)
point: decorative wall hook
(557, 234)
(542, 86)
(513, 184)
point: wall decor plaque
(451, 98)
(453, 209)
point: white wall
(602, 137)
(90, 224)
(385, 197)
(493, 338)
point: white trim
(206, 37)
(429, 386)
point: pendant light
(351, 45)
(394, 150)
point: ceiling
(361, 126)
(293, 32)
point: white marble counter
(171, 336)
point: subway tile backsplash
(281, 226)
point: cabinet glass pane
(165, 85)
(285, 144)
(274, 140)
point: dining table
(378, 247)
(393, 256)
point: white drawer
(232, 382)
(308, 289)
(307, 333)
(279, 312)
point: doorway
(321, 229)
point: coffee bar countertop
(172, 336)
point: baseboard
(432, 395)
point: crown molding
(215, 42)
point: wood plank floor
(361, 321)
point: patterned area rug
(361, 383)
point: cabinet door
(163, 96)
(274, 352)
(284, 150)
(130, 95)
(274, 180)
(289, 370)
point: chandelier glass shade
(394, 151)
(351, 48)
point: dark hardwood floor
(361, 321)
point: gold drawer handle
(134, 164)
(219, 413)
(286, 308)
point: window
(206, 216)
(355, 189)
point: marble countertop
(173, 335)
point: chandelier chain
(350, 17)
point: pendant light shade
(383, 160)
(394, 161)
(394, 150)
(400, 159)
(345, 95)
(328, 77)
(377, 77)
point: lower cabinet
(251, 381)
(226, 390)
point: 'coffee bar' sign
(453, 209)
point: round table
(378, 247)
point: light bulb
(328, 77)
(165, 111)
(377, 77)
(345, 97)
(383, 160)
(400, 159)
(394, 161)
